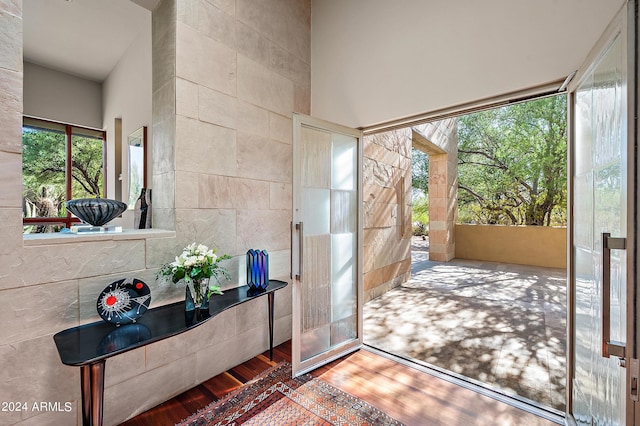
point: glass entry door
(326, 242)
(602, 349)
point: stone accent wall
(521, 245)
(227, 77)
(443, 187)
(387, 211)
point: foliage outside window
(512, 164)
(420, 192)
(512, 167)
(59, 162)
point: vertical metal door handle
(300, 228)
(291, 251)
(608, 347)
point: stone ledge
(127, 234)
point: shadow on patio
(501, 324)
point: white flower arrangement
(196, 263)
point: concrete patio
(500, 324)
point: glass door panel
(599, 264)
(326, 243)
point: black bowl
(96, 211)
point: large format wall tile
(217, 108)
(12, 7)
(164, 105)
(148, 389)
(62, 262)
(302, 99)
(163, 194)
(205, 148)
(217, 24)
(286, 22)
(218, 329)
(163, 155)
(32, 372)
(205, 61)
(280, 196)
(227, 6)
(10, 41)
(11, 220)
(280, 264)
(222, 192)
(252, 314)
(266, 229)
(188, 12)
(263, 87)
(223, 355)
(280, 128)
(122, 367)
(10, 186)
(30, 312)
(187, 190)
(10, 110)
(252, 119)
(290, 66)
(251, 44)
(263, 158)
(209, 227)
(187, 99)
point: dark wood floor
(413, 397)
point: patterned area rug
(276, 399)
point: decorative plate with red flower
(124, 301)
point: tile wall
(227, 77)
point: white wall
(377, 60)
(58, 96)
(127, 95)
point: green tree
(419, 172)
(44, 168)
(420, 196)
(512, 164)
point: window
(59, 162)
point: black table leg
(270, 296)
(92, 385)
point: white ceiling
(85, 38)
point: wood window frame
(67, 220)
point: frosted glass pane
(344, 330)
(316, 291)
(583, 211)
(587, 321)
(316, 208)
(607, 107)
(344, 157)
(314, 342)
(315, 157)
(344, 211)
(583, 130)
(343, 274)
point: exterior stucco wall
(523, 245)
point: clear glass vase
(197, 295)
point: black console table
(88, 346)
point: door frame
(299, 366)
(625, 24)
